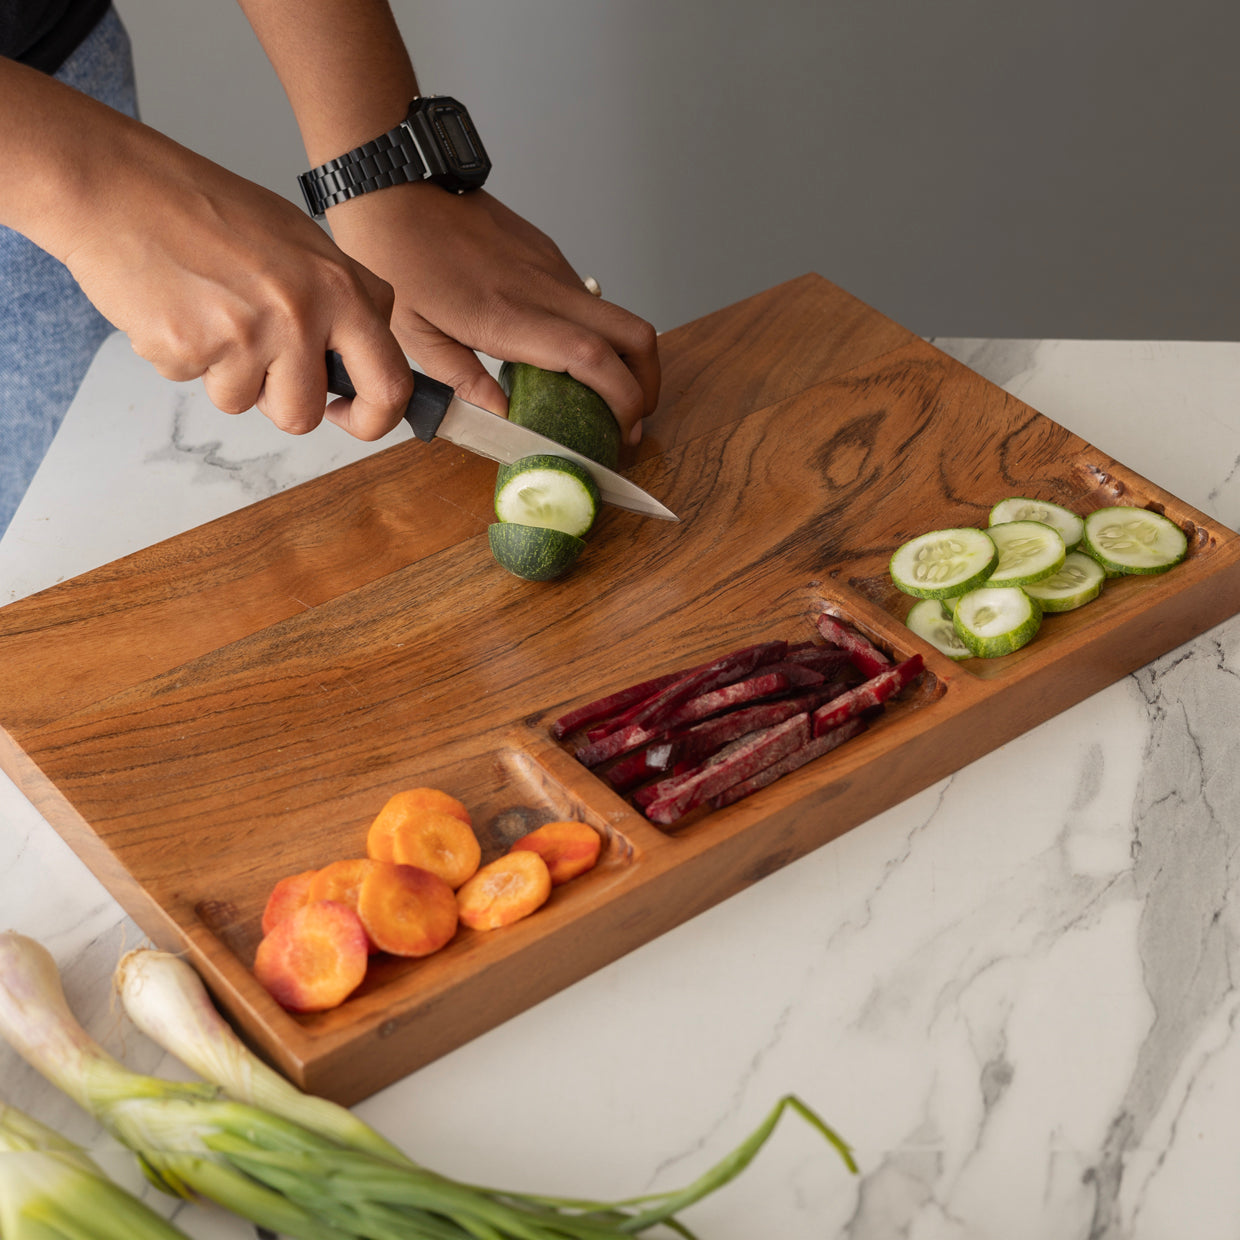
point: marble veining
(1013, 992)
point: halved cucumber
(534, 552)
(1028, 551)
(546, 490)
(1078, 582)
(563, 409)
(1021, 508)
(943, 562)
(930, 619)
(995, 620)
(1133, 540)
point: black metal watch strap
(392, 158)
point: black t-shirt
(44, 33)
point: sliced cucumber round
(1133, 540)
(546, 490)
(943, 562)
(1028, 552)
(1021, 508)
(995, 620)
(931, 620)
(535, 552)
(1078, 582)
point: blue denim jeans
(49, 332)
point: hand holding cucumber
(469, 274)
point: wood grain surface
(236, 704)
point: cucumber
(1078, 582)
(1028, 552)
(930, 619)
(1021, 508)
(535, 552)
(546, 504)
(563, 409)
(1133, 540)
(943, 562)
(547, 490)
(995, 620)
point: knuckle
(644, 338)
(589, 352)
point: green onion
(164, 996)
(50, 1189)
(302, 1170)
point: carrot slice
(437, 842)
(504, 890)
(314, 959)
(568, 848)
(339, 881)
(406, 910)
(289, 894)
(401, 807)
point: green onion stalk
(252, 1142)
(50, 1189)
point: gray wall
(1059, 168)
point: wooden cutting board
(237, 703)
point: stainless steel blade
(486, 433)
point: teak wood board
(236, 704)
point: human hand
(470, 274)
(212, 276)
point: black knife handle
(426, 407)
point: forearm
(469, 275)
(59, 148)
(343, 66)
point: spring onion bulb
(294, 1179)
(164, 996)
(50, 1189)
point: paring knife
(434, 409)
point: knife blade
(436, 411)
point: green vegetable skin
(565, 410)
(558, 406)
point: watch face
(462, 159)
(458, 138)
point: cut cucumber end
(535, 552)
(549, 491)
(943, 562)
(1029, 551)
(930, 619)
(996, 620)
(1078, 582)
(1022, 508)
(1133, 540)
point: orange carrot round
(405, 805)
(407, 911)
(339, 880)
(289, 894)
(568, 848)
(504, 891)
(438, 842)
(313, 959)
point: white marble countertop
(1013, 993)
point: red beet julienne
(676, 751)
(629, 737)
(675, 797)
(868, 694)
(613, 703)
(867, 656)
(654, 711)
(815, 748)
